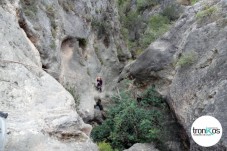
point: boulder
(142, 147)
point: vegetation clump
(30, 8)
(132, 121)
(154, 26)
(103, 146)
(158, 25)
(187, 59)
(208, 11)
(194, 1)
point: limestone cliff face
(73, 41)
(77, 41)
(188, 66)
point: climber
(3, 116)
(98, 105)
(100, 114)
(99, 84)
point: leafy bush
(172, 12)
(103, 146)
(131, 19)
(208, 11)
(143, 4)
(68, 5)
(187, 59)
(158, 25)
(158, 21)
(152, 98)
(194, 1)
(130, 121)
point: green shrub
(187, 59)
(67, 5)
(158, 21)
(124, 32)
(208, 11)
(30, 8)
(103, 146)
(172, 12)
(194, 1)
(131, 19)
(131, 122)
(101, 26)
(158, 25)
(143, 4)
(50, 10)
(29, 13)
(151, 97)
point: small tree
(131, 122)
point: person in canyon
(99, 84)
(100, 115)
(98, 105)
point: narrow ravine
(162, 65)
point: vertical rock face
(42, 113)
(73, 41)
(188, 65)
(77, 41)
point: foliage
(102, 27)
(131, 19)
(152, 98)
(187, 59)
(133, 23)
(29, 13)
(51, 15)
(130, 121)
(30, 8)
(53, 45)
(143, 4)
(172, 12)
(158, 21)
(103, 146)
(208, 11)
(124, 32)
(158, 25)
(194, 1)
(67, 5)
